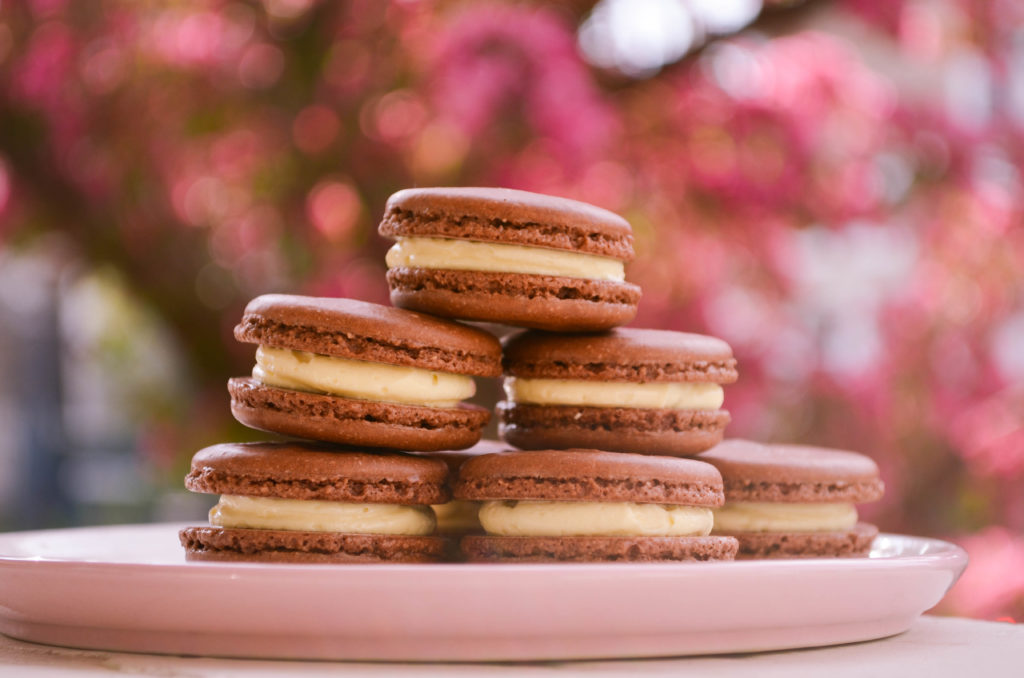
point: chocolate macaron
(507, 256)
(626, 390)
(588, 505)
(305, 503)
(792, 501)
(355, 373)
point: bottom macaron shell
(677, 433)
(842, 544)
(286, 546)
(553, 303)
(596, 549)
(354, 422)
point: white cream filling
(755, 516)
(360, 379)
(472, 255)
(606, 519)
(681, 395)
(458, 515)
(314, 515)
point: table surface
(934, 646)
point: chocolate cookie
(790, 501)
(507, 256)
(589, 505)
(627, 390)
(302, 502)
(350, 372)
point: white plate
(129, 588)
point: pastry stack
(606, 430)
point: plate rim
(944, 551)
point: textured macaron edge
(295, 546)
(350, 421)
(357, 330)
(507, 216)
(295, 470)
(855, 542)
(622, 354)
(619, 429)
(491, 548)
(588, 475)
(552, 303)
(754, 471)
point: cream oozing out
(364, 380)
(749, 516)
(314, 515)
(529, 518)
(472, 255)
(683, 395)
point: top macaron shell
(297, 470)
(506, 215)
(589, 475)
(794, 473)
(358, 330)
(626, 354)
(552, 301)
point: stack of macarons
(606, 429)
(358, 385)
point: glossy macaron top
(298, 470)
(507, 216)
(794, 473)
(589, 475)
(622, 354)
(358, 330)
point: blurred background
(833, 186)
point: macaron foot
(480, 548)
(286, 546)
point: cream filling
(676, 395)
(472, 255)
(458, 515)
(756, 516)
(604, 519)
(360, 379)
(314, 515)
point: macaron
(512, 257)
(792, 501)
(625, 390)
(355, 373)
(590, 505)
(305, 503)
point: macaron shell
(553, 303)
(509, 216)
(623, 354)
(839, 544)
(589, 475)
(358, 330)
(678, 433)
(297, 470)
(347, 421)
(480, 548)
(288, 546)
(794, 473)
